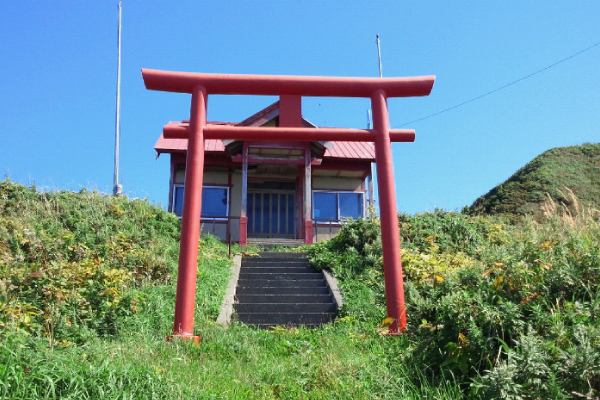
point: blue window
(350, 205)
(336, 206)
(215, 201)
(325, 206)
(178, 199)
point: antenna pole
(117, 188)
(379, 54)
(370, 126)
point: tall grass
(78, 245)
(495, 310)
(510, 311)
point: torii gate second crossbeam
(290, 89)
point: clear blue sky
(58, 83)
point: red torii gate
(290, 89)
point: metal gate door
(271, 213)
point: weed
(509, 310)
(495, 309)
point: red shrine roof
(352, 150)
(340, 150)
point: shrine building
(292, 193)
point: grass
(509, 311)
(496, 310)
(65, 256)
(236, 363)
(554, 173)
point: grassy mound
(495, 310)
(87, 296)
(556, 173)
(508, 311)
(71, 263)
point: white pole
(370, 124)
(117, 188)
(379, 54)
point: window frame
(174, 199)
(220, 218)
(337, 193)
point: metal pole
(118, 189)
(390, 234)
(379, 54)
(371, 198)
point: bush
(512, 311)
(72, 264)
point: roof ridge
(256, 116)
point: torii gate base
(290, 89)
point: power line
(501, 87)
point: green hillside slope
(69, 262)
(554, 173)
(494, 310)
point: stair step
(271, 262)
(299, 308)
(288, 326)
(281, 277)
(264, 269)
(282, 290)
(271, 242)
(276, 298)
(282, 283)
(275, 254)
(286, 318)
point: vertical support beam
(183, 326)
(290, 111)
(230, 186)
(390, 234)
(171, 182)
(244, 211)
(371, 190)
(307, 198)
(299, 203)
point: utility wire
(501, 87)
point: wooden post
(299, 203)
(390, 234)
(244, 211)
(307, 198)
(183, 325)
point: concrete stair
(272, 242)
(283, 289)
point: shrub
(72, 264)
(509, 310)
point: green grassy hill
(72, 263)
(555, 173)
(87, 293)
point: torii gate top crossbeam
(277, 85)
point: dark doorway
(271, 209)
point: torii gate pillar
(190, 222)
(390, 233)
(289, 88)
